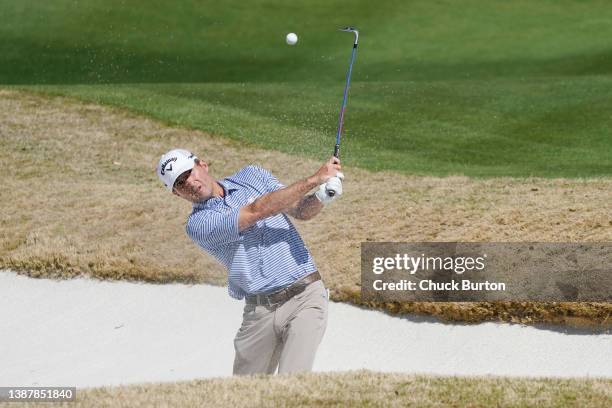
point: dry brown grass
(354, 389)
(80, 196)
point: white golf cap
(173, 164)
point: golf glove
(332, 184)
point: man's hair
(196, 160)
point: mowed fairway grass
(477, 88)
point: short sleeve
(210, 229)
(270, 182)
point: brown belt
(283, 295)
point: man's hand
(328, 170)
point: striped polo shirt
(266, 256)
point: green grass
(481, 88)
(354, 389)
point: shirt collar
(228, 188)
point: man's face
(195, 185)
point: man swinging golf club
(242, 221)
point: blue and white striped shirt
(268, 255)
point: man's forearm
(307, 208)
(280, 200)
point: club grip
(337, 150)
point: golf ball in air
(291, 38)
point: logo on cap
(164, 164)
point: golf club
(332, 192)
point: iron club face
(351, 30)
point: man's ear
(204, 165)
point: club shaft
(344, 100)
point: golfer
(242, 221)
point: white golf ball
(291, 38)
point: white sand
(86, 333)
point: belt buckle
(271, 304)
(263, 300)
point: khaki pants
(285, 337)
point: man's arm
(285, 199)
(306, 208)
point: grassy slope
(482, 88)
(356, 389)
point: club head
(351, 30)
